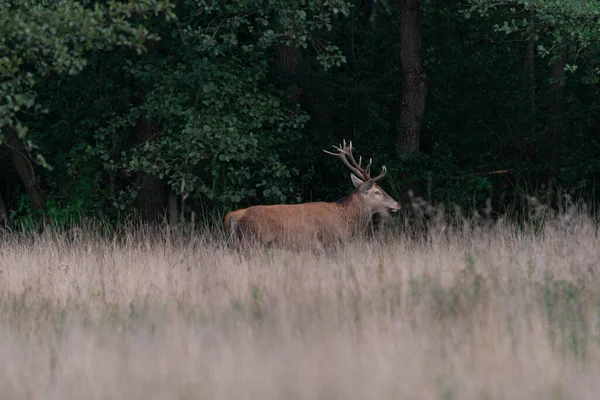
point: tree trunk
(372, 7)
(556, 122)
(152, 196)
(288, 58)
(25, 170)
(522, 148)
(173, 209)
(4, 213)
(530, 68)
(414, 88)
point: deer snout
(395, 207)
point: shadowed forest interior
(184, 110)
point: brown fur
(311, 225)
(235, 215)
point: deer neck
(354, 211)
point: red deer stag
(316, 224)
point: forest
(156, 109)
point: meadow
(472, 311)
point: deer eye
(378, 193)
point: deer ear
(356, 181)
(366, 186)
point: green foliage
(241, 96)
(556, 22)
(224, 127)
(556, 29)
(39, 39)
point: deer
(316, 225)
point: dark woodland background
(153, 109)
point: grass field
(470, 313)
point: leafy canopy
(39, 38)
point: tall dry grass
(497, 312)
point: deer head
(374, 197)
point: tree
(566, 33)
(225, 127)
(414, 88)
(234, 102)
(40, 40)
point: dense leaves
(229, 103)
(39, 39)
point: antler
(356, 167)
